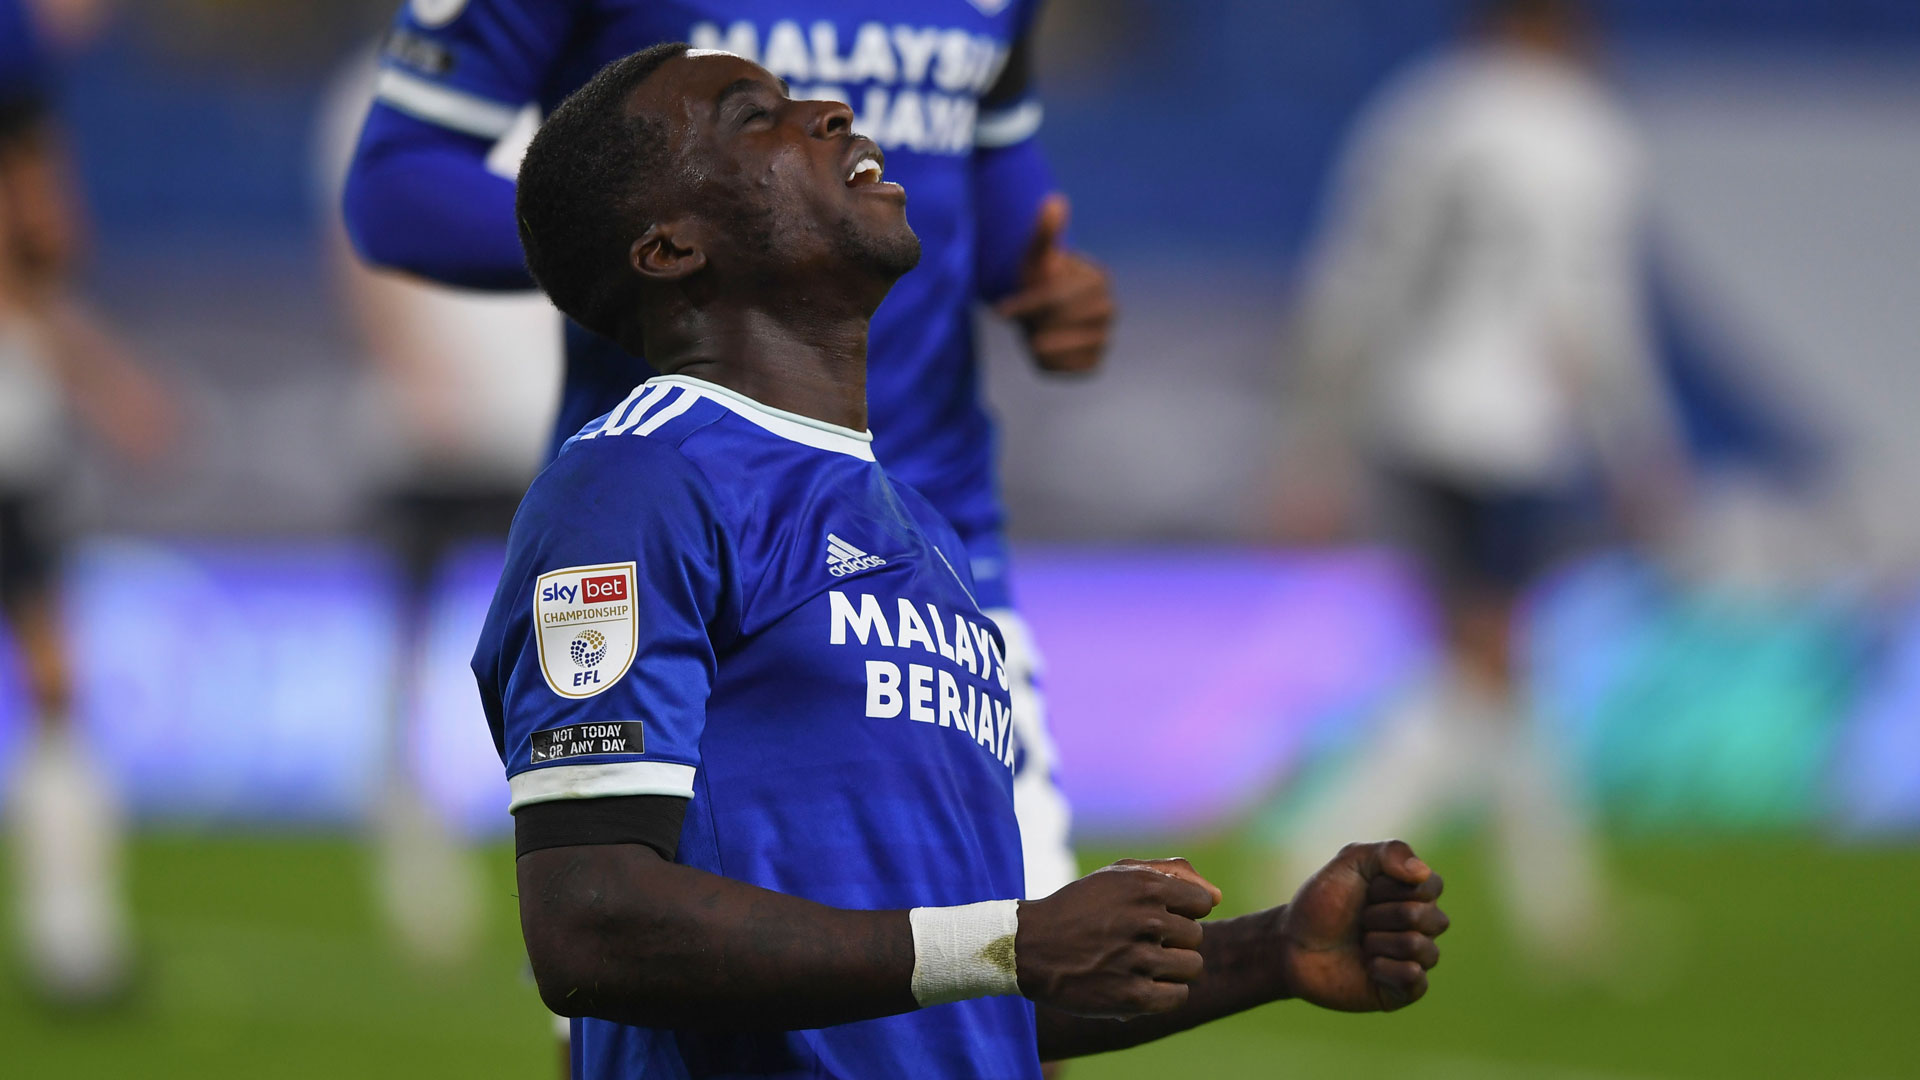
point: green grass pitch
(1742, 958)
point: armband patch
(418, 52)
(585, 740)
(584, 623)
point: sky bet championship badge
(584, 620)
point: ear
(666, 252)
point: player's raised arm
(1011, 174)
(420, 195)
(1061, 299)
(419, 198)
(1358, 937)
(1115, 959)
(617, 932)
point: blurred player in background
(56, 364)
(945, 87)
(1473, 341)
(462, 383)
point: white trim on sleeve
(1007, 127)
(436, 104)
(556, 782)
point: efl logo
(585, 626)
(603, 590)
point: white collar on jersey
(790, 426)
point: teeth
(865, 165)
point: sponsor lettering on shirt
(929, 692)
(919, 86)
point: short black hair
(581, 196)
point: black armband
(653, 820)
(1015, 79)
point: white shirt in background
(1484, 268)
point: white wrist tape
(964, 952)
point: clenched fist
(1359, 935)
(1118, 943)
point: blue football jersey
(914, 71)
(708, 598)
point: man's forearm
(420, 199)
(1243, 970)
(1009, 184)
(617, 932)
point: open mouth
(865, 171)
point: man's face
(788, 184)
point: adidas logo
(843, 558)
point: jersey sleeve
(471, 65)
(599, 651)
(1011, 175)
(454, 78)
(1010, 111)
(420, 198)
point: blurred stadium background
(1745, 707)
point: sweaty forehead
(687, 89)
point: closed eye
(747, 99)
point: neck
(812, 365)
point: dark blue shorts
(1470, 538)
